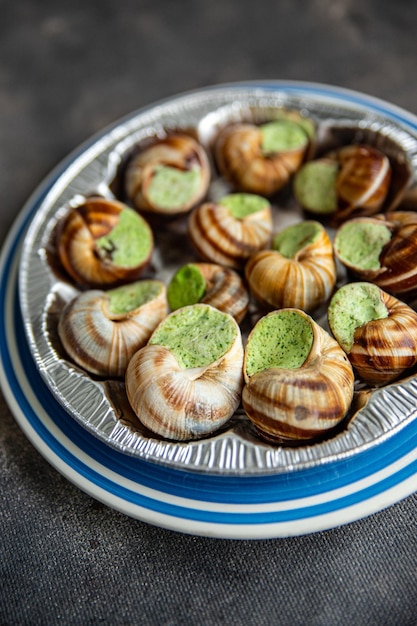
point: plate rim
(9, 258)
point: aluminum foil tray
(100, 406)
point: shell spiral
(179, 151)
(384, 348)
(303, 282)
(103, 343)
(184, 404)
(399, 258)
(221, 238)
(77, 234)
(363, 181)
(302, 404)
(397, 267)
(239, 158)
(225, 290)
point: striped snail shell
(363, 180)
(261, 158)
(299, 382)
(169, 176)
(300, 272)
(186, 383)
(223, 234)
(382, 250)
(377, 331)
(101, 331)
(209, 283)
(351, 181)
(103, 243)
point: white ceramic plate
(239, 505)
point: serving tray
(231, 485)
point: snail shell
(383, 348)
(353, 180)
(93, 240)
(336, 135)
(303, 280)
(185, 403)
(395, 264)
(101, 341)
(363, 181)
(399, 257)
(242, 160)
(220, 237)
(223, 289)
(299, 404)
(184, 157)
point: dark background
(68, 69)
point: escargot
(353, 180)
(382, 250)
(299, 381)
(102, 243)
(213, 284)
(101, 330)
(299, 271)
(261, 158)
(229, 231)
(186, 382)
(377, 331)
(169, 176)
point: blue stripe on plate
(202, 488)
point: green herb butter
(315, 186)
(241, 205)
(282, 135)
(280, 339)
(129, 243)
(197, 335)
(130, 297)
(172, 188)
(187, 287)
(296, 237)
(360, 243)
(352, 306)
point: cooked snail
(228, 232)
(186, 383)
(353, 180)
(377, 331)
(261, 159)
(102, 243)
(299, 382)
(101, 330)
(169, 176)
(382, 250)
(298, 272)
(209, 283)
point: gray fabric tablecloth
(66, 71)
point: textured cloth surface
(66, 71)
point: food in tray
(353, 180)
(299, 271)
(168, 176)
(261, 158)
(186, 383)
(230, 230)
(101, 330)
(209, 283)
(299, 381)
(382, 250)
(377, 331)
(102, 243)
